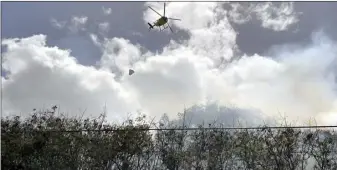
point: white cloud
(106, 11)
(272, 16)
(211, 33)
(119, 54)
(240, 12)
(77, 23)
(297, 81)
(49, 75)
(58, 24)
(136, 33)
(278, 18)
(104, 27)
(95, 40)
(193, 19)
(168, 82)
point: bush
(46, 141)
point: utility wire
(189, 129)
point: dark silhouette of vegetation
(39, 142)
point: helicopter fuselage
(161, 21)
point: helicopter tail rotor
(151, 26)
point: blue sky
(261, 58)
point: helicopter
(161, 21)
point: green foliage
(47, 141)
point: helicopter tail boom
(151, 26)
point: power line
(189, 129)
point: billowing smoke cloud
(295, 81)
(298, 83)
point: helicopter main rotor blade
(174, 19)
(169, 27)
(155, 11)
(164, 8)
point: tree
(47, 141)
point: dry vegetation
(39, 142)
